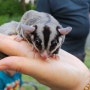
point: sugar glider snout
(44, 55)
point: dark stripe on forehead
(46, 33)
(58, 34)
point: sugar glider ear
(27, 29)
(65, 31)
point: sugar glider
(43, 31)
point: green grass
(87, 59)
(30, 79)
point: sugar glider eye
(38, 43)
(54, 43)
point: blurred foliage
(13, 10)
(87, 59)
(7, 18)
(14, 7)
(10, 7)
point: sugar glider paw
(18, 38)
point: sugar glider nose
(44, 55)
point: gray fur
(9, 28)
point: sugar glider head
(46, 39)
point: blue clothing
(89, 5)
(72, 13)
(8, 82)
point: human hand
(51, 72)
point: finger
(12, 47)
(16, 63)
(38, 69)
(24, 65)
(3, 36)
